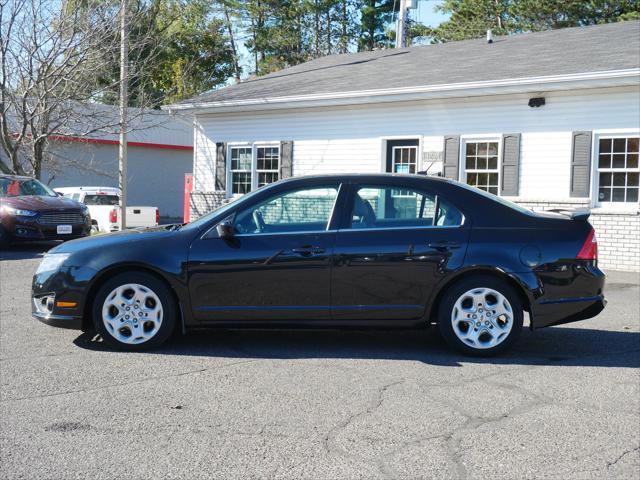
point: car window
(301, 210)
(110, 200)
(10, 187)
(393, 207)
(75, 196)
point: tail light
(158, 216)
(113, 216)
(589, 250)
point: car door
(392, 249)
(277, 264)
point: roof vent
(489, 36)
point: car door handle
(444, 245)
(308, 250)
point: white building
(549, 120)
(160, 153)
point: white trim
(610, 78)
(608, 207)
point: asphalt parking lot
(318, 404)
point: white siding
(351, 139)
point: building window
(241, 170)
(268, 165)
(252, 167)
(481, 165)
(405, 159)
(618, 170)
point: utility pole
(401, 25)
(124, 94)
(403, 21)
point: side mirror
(225, 229)
(60, 194)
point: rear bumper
(569, 294)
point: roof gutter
(611, 78)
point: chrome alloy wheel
(482, 318)
(132, 313)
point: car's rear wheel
(134, 311)
(480, 315)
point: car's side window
(302, 210)
(393, 207)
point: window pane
(632, 144)
(471, 148)
(493, 163)
(493, 179)
(617, 195)
(483, 148)
(618, 160)
(632, 160)
(619, 179)
(298, 211)
(604, 160)
(604, 195)
(471, 163)
(493, 190)
(493, 148)
(619, 145)
(483, 179)
(482, 163)
(632, 195)
(240, 182)
(605, 179)
(632, 179)
(240, 159)
(605, 145)
(265, 178)
(472, 179)
(267, 158)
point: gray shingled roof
(571, 50)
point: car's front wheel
(480, 315)
(134, 311)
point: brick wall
(204, 202)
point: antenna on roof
(489, 36)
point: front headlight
(51, 262)
(19, 213)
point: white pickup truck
(103, 204)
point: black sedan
(333, 251)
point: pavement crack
(133, 382)
(329, 440)
(622, 455)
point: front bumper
(58, 297)
(26, 229)
(60, 321)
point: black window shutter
(580, 164)
(510, 164)
(221, 167)
(286, 159)
(451, 156)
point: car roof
(367, 177)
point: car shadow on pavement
(27, 251)
(564, 346)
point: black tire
(168, 305)
(458, 289)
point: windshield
(13, 187)
(110, 200)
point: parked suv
(32, 211)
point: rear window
(110, 200)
